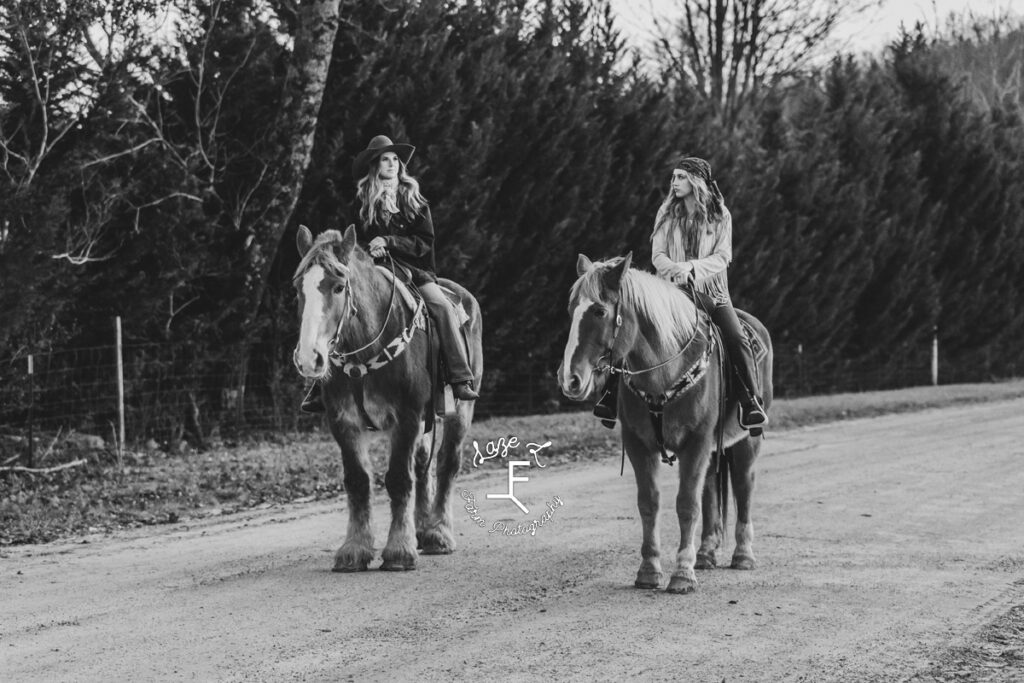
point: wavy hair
(371, 190)
(709, 206)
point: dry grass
(157, 487)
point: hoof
(705, 561)
(647, 580)
(352, 559)
(681, 585)
(743, 562)
(437, 542)
(397, 567)
(398, 560)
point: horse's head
(594, 307)
(324, 283)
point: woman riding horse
(691, 246)
(394, 219)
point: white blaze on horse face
(310, 338)
(574, 341)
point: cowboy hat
(378, 145)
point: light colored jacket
(710, 263)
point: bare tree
(726, 49)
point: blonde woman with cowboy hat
(691, 246)
(394, 218)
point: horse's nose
(575, 383)
(316, 366)
(318, 362)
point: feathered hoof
(349, 559)
(705, 561)
(437, 542)
(647, 580)
(743, 562)
(681, 585)
(397, 567)
(398, 561)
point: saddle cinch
(442, 400)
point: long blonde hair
(371, 190)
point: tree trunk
(316, 28)
(305, 80)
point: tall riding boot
(753, 416)
(607, 407)
(460, 376)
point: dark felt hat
(378, 145)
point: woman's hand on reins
(378, 247)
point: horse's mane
(664, 306)
(322, 254)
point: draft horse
(633, 323)
(368, 350)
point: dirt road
(882, 544)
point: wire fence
(172, 392)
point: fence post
(31, 409)
(935, 356)
(120, 389)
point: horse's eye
(600, 312)
(339, 288)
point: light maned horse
(349, 311)
(650, 330)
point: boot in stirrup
(753, 416)
(313, 402)
(464, 391)
(606, 408)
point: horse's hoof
(397, 567)
(647, 581)
(743, 562)
(352, 559)
(399, 560)
(705, 561)
(437, 542)
(681, 585)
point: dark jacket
(410, 242)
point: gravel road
(887, 548)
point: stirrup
(605, 411)
(753, 416)
(313, 402)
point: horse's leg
(693, 463)
(648, 499)
(712, 531)
(400, 551)
(356, 551)
(439, 538)
(743, 456)
(423, 485)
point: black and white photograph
(513, 340)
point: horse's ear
(304, 240)
(583, 264)
(348, 242)
(613, 278)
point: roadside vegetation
(108, 492)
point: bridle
(351, 311)
(604, 363)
